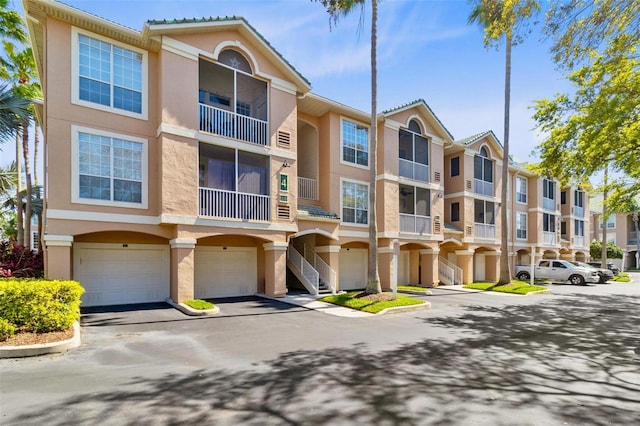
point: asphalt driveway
(474, 358)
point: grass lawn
(412, 288)
(371, 303)
(515, 287)
(199, 304)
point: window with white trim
(355, 202)
(611, 222)
(579, 228)
(521, 226)
(484, 212)
(355, 143)
(548, 189)
(109, 75)
(521, 189)
(109, 169)
(548, 222)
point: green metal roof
(315, 211)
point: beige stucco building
(191, 160)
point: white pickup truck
(558, 271)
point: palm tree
(13, 110)
(20, 68)
(11, 24)
(499, 19)
(337, 9)
(8, 179)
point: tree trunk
(19, 206)
(605, 219)
(36, 143)
(373, 281)
(27, 173)
(505, 274)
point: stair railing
(308, 271)
(327, 273)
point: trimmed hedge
(40, 306)
(6, 329)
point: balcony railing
(484, 230)
(307, 188)
(415, 224)
(413, 170)
(549, 238)
(578, 211)
(234, 205)
(578, 241)
(548, 203)
(237, 126)
(483, 187)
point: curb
(188, 310)
(43, 348)
(400, 309)
(416, 292)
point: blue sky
(426, 50)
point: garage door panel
(353, 269)
(122, 275)
(225, 273)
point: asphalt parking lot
(475, 358)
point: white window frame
(611, 222)
(526, 195)
(342, 181)
(75, 169)
(521, 215)
(348, 163)
(75, 75)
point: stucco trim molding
(183, 243)
(101, 217)
(429, 251)
(275, 246)
(58, 240)
(178, 48)
(469, 252)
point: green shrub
(199, 304)
(6, 329)
(38, 305)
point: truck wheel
(576, 280)
(523, 276)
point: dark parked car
(604, 274)
(613, 268)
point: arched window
(483, 172)
(415, 127)
(234, 59)
(414, 153)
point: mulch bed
(380, 297)
(22, 339)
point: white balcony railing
(484, 230)
(307, 188)
(415, 224)
(548, 204)
(578, 211)
(549, 238)
(578, 241)
(413, 170)
(234, 205)
(237, 126)
(483, 187)
(448, 273)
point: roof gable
(423, 110)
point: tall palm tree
(8, 179)
(337, 9)
(13, 110)
(20, 68)
(11, 24)
(499, 19)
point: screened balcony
(548, 203)
(414, 209)
(232, 103)
(549, 238)
(413, 154)
(485, 230)
(233, 184)
(415, 224)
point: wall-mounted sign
(284, 182)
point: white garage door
(353, 269)
(112, 274)
(404, 276)
(225, 272)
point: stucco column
(275, 269)
(58, 260)
(429, 267)
(331, 255)
(492, 265)
(465, 261)
(568, 256)
(182, 269)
